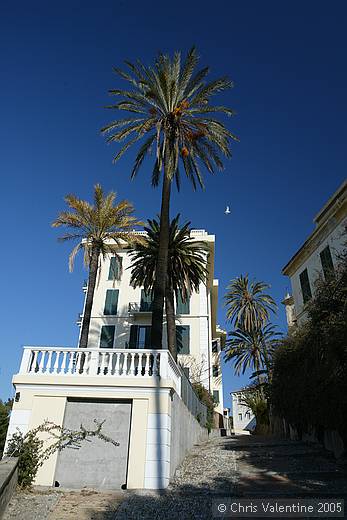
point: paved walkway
(48, 504)
(240, 466)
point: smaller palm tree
(255, 399)
(100, 229)
(248, 306)
(252, 349)
(186, 268)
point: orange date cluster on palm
(180, 108)
(193, 136)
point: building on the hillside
(121, 318)
(318, 256)
(145, 397)
(243, 417)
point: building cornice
(332, 214)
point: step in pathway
(239, 466)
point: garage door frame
(106, 401)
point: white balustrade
(142, 364)
(62, 361)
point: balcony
(198, 232)
(110, 364)
(143, 307)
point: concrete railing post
(26, 359)
(94, 363)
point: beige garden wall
(41, 402)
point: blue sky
(288, 64)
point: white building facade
(318, 256)
(142, 396)
(121, 319)
(243, 417)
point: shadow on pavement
(264, 468)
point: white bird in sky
(227, 210)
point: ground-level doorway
(96, 464)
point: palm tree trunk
(93, 271)
(170, 321)
(161, 268)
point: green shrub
(28, 449)
(309, 387)
(206, 398)
(5, 409)
(32, 451)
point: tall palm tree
(100, 228)
(252, 349)
(186, 268)
(170, 110)
(248, 306)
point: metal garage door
(96, 464)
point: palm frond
(174, 101)
(98, 225)
(73, 255)
(187, 262)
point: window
(215, 370)
(115, 268)
(327, 263)
(216, 396)
(146, 301)
(305, 286)
(182, 339)
(240, 416)
(182, 307)
(111, 302)
(248, 415)
(107, 336)
(140, 336)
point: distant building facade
(243, 417)
(318, 256)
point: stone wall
(8, 481)
(185, 432)
(329, 439)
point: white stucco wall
(157, 443)
(335, 240)
(199, 318)
(247, 420)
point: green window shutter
(111, 302)
(182, 339)
(305, 286)
(146, 301)
(186, 371)
(215, 370)
(327, 263)
(133, 336)
(107, 336)
(148, 337)
(216, 396)
(115, 267)
(182, 307)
